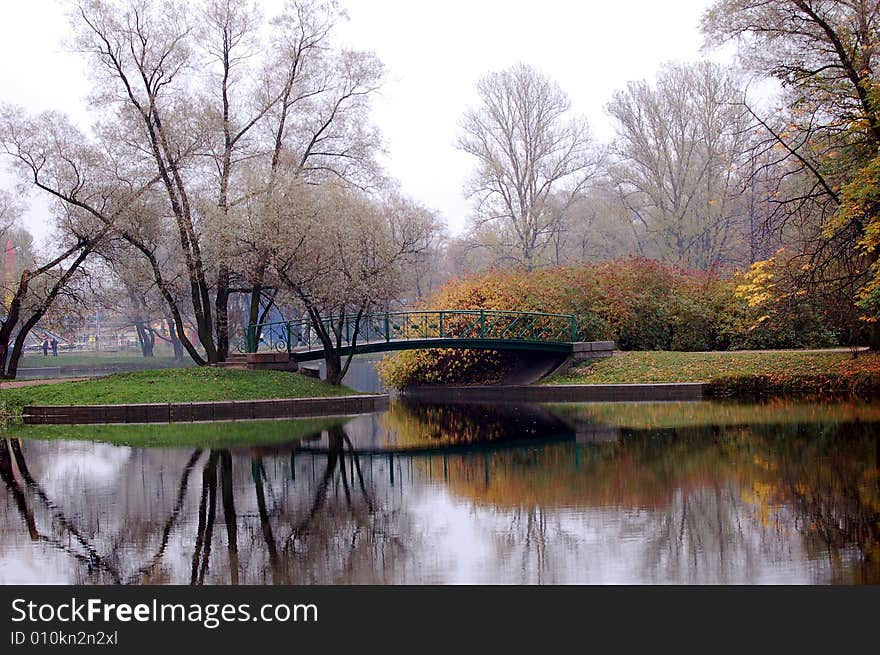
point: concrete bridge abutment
(585, 351)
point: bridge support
(271, 361)
(585, 351)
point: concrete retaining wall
(204, 411)
(585, 351)
(563, 393)
(310, 407)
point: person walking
(54, 347)
(45, 347)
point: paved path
(15, 384)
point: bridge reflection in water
(428, 493)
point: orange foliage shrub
(640, 304)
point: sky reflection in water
(460, 494)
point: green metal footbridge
(442, 328)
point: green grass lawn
(658, 366)
(100, 358)
(226, 434)
(172, 385)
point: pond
(425, 493)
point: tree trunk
(18, 345)
(336, 370)
(145, 338)
(9, 325)
(254, 318)
(33, 319)
(175, 342)
(333, 365)
(221, 313)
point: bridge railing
(413, 325)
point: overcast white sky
(434, 53)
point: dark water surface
(628, 493)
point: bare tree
(528, 149)
(10, 212)
(230, 40)
(594, 227)
(679, 147)
(34, 295)
(97, 192)
(342, 254)
(90, 203)
(191, 93)
(827, 49)
(126, 290)
(317, 129)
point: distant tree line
(703, 172)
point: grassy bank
(171, 385)
(740, 373)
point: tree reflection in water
(306, 531)
(713, 504)
(30, 498)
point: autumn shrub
(445, 366)
(650, 306)
(762, 310)
(639, 304)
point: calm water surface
(660, 493)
